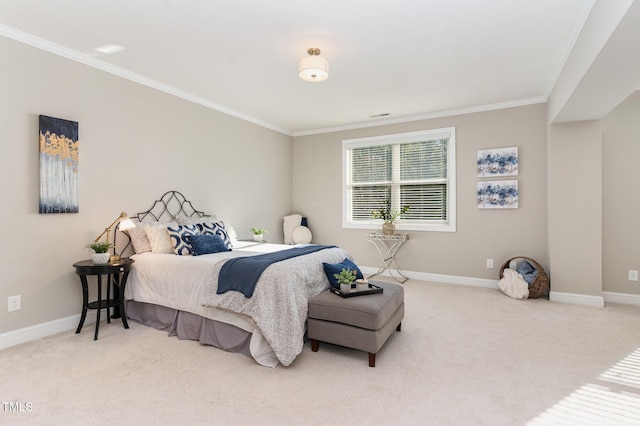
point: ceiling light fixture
(109, 49)
(313, 67)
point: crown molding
(96, 63)
(426, 116)
(93, 62)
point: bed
(178, 291)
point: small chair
(295, 230)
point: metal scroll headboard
(170, 206)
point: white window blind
(415, 169)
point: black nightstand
(117, 273)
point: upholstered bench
(363, 322)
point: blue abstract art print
(498, 162)
(502, 194)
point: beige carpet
(465, 356)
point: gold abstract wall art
(58, 165)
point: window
(415, 169)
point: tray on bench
(373, 289)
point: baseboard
(38, 331)
(447, 279)
(554, 296)
(622, 298)
(577, 299)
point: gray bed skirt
(188, 326)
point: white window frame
(438, 226)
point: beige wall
(481, 234)
(135, 144)
(575, 208)
(620, 196)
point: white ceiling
(408, 58)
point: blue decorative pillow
(330, 269)
(216, 228)
(528, 272)
(178, 234)
(206, 244)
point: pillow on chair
(301, 235)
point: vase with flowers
(389, 216)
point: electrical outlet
(490, 263)
(14, 303)
(633, 275)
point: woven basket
(539, 286)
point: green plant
(258, 231)
(100, 246)
(388, 214)
(346, 276)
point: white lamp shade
(126, 224)
(313, 68)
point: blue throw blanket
(242, 273)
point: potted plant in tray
(100, 255)
(345, 278)
(389, 216)
(258, 234)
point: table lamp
(125, 224)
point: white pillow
(233, 235)
(301, 235)
(159, 239)
(139, 238)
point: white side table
(388, 246)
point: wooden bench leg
(314, 345)
(372, 360)
(399, 327)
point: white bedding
(275, 315)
